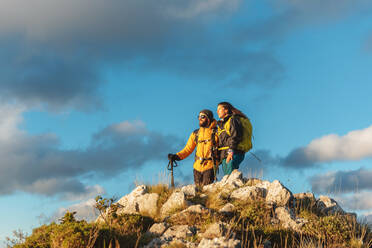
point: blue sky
(94, 95)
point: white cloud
(37, 164)
(355, 201)
(355, 145)
(85, 210)
(342, 181)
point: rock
(143, 204)
(196, 209)
(138, 191)
(210, 188)
(215, 230)
(248, 193)
(176, 201)
(328, 206)
(128, 204)
(179, 232)
(158, 229)
(304, 201)
(186, 215)
(288, 219)
(189, 190)
(263, 184)
(234, 180)
(254, 182)
(163, 243)
(278, 195)
(137, 202)
(219, 242)
(147, 204)
(228, 208)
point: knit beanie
(208, 113)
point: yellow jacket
(203, 148)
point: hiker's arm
(236, 133)
(189, 148)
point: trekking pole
(254, 155)
(171, 165)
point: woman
(234, 134)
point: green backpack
(246, 144)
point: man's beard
(204, 123)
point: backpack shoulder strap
(196, 132)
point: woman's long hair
(231, 109)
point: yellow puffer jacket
(203, 148)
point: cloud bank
(342, 181)
(36, 164)
(55, 53)
(355, 145)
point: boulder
(176, 201)
(142, 204)
(248, 193)
(263, 184)
(196, 209)
(288, 219)
(128, 199)
(228, 208)
(253, 182)
(137, 202)
(219, 242)
(234, 180)
(179, 232)
(215, 230)
(188, 214)
(163, 243)
(278, 195)
(158, 229)
(189, 190)
(328, 206)
(304, 201)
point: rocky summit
(238, 212)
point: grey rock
(189, 190)
(190, 212)
(176, 201)
(228, 208)
(158, 229)
(263, 184)
(215, 230)
(288, 219)
(253, 182)
(328, 206)
(179, 232)
(248, 193)
(196, 209)
(278, 195)
(304, 201)
(219, 243)
(163, 243)
(234, 180)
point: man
(205, 140)
(234, 135)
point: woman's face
(221, 111)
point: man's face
(203, 120)
(221, 111)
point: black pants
(203, 178)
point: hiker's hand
(229, 158)
(173, 157)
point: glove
(173, 157)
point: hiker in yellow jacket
(205, 140)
